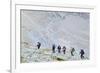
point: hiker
(53, 48)
(38, 45)
(59, 49)
(82, 53)
(72, 51)
(64, 49)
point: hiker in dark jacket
(38, 45)
(72, 51)
(59, 49)
(53, 48)
(82, 53)
(64, 49)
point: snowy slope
(70, 29)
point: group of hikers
(59, 49)
(63, 49)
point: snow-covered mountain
(70, 29)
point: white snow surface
(70, 29)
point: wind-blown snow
(70, 29)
